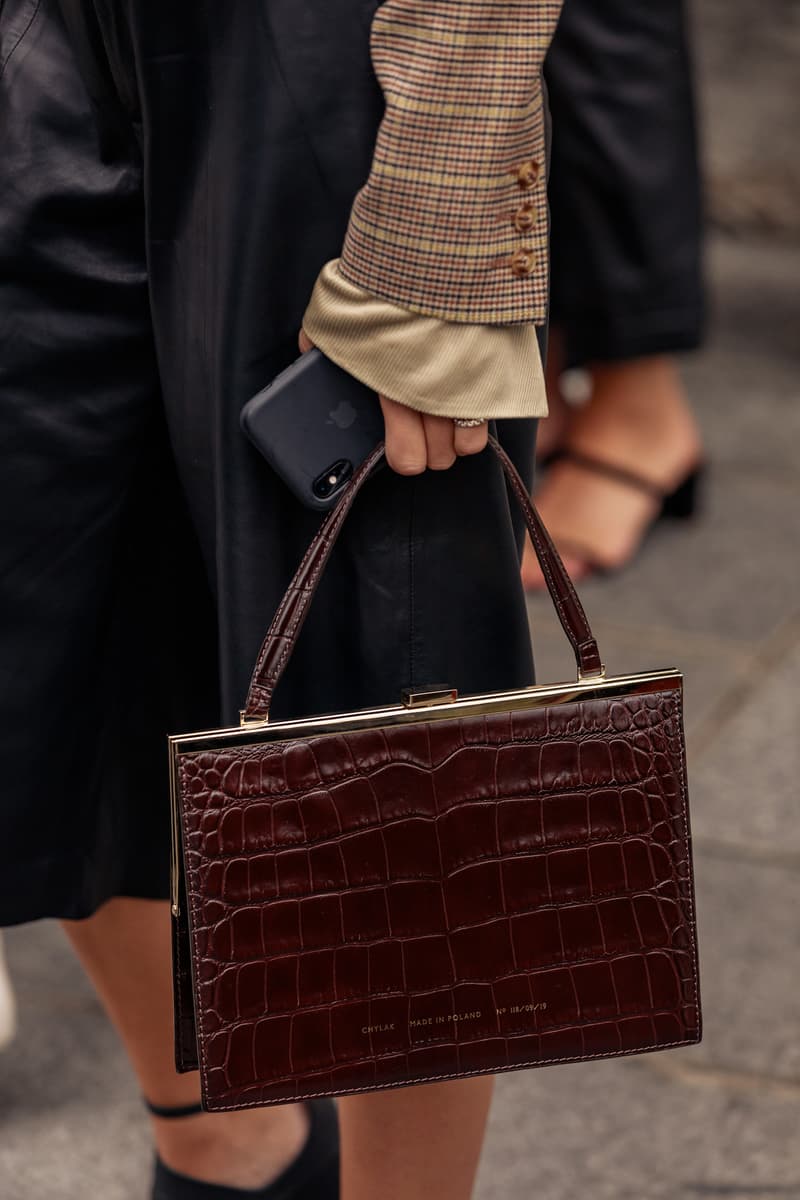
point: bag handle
(288, 620)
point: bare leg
(125, 949)
(419, 1141)
(422, 1141)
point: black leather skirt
(624, 182)
(174, 176)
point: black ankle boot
(312, 1175)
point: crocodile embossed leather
(441, 889)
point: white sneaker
(8, 1006)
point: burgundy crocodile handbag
(444, 888)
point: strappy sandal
(681, 503)
(312, 1175)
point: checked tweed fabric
(439, 898)
(452, 221)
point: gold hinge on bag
(600, 673)
(433, 694)
(245, 718)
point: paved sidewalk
(719, 599)
(747, 53)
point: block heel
(683, 503)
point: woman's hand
(415, 440)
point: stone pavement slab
(65, 1047)
(745, 384)
(621, 1131)
(91, 1154)
(749, 945)
(747, 784)
(747, 423)
(747, 52)
(71, 1124)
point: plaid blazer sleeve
(452, 220)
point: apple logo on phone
(343, 415)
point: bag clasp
(432, 693)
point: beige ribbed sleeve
(447, 368)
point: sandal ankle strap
(170, 1111)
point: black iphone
(314, 424)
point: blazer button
(527, 174)
(522, 263)
(525, 217)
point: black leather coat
(174, 175)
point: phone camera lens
(332, 479)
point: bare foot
(638, 419)
(244, 1149)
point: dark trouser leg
(624, 182)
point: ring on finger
(468, 422)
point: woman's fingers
(472, 439)
(416, 441)
(406, 447)
(304, 341)
(439, 438)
